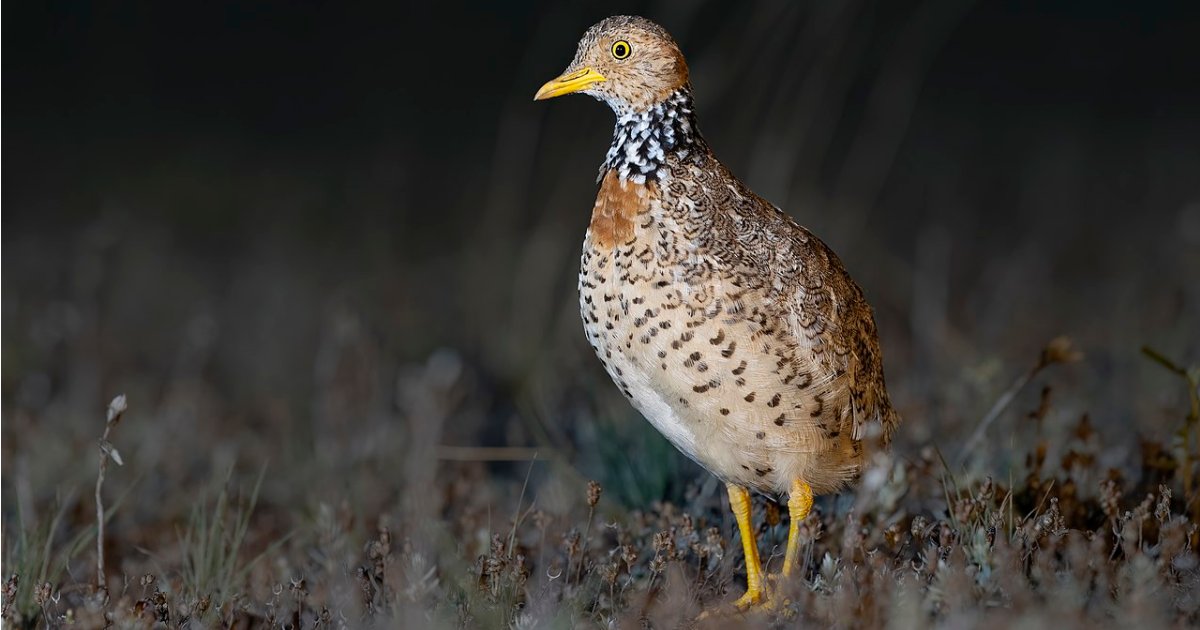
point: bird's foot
(752, 601)
(749, 599)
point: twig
(116, 409)
(593, 497)
(1059, 350)
(1189, 423)
(998, 408)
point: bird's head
(628, 62)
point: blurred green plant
(36, 561)
(638, 464)
(212, 545)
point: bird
(736, 332)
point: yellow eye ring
(621, 49)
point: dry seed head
(541, 520)
(811, 528)
(571, 542)
(10, 592)
(1110, 498)
(686, 528)
(629, 556)
(1060, 350)
(42, 595)
(963, 510)
(986, 490)
(664, 544)
(714, 538)
(593, 493)
(116, 408)
(1142, 512)
(1162, 511)
(298, 587)
(610, 571)
(891, 536)
(945, 536)
(919, 525)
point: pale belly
(703, 376)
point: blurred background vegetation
(341, 240)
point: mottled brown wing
(831, 317)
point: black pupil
(620, 50)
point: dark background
(265, 221)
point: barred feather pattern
(734, 330)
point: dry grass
(1064, 539)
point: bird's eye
(621, 49)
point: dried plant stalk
(116, 409)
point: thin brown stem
(116, 409)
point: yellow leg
(739, 501)
(800, 502)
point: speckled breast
(663, 316)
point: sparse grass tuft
(213, 573)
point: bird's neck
(644, 140)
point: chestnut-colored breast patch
(617, 205)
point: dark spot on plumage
(774, 400)
(728, 352)
(760, 435)
(750, 397)
(719, 338)
(724, 411)
(779, 420)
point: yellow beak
(568, 83)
